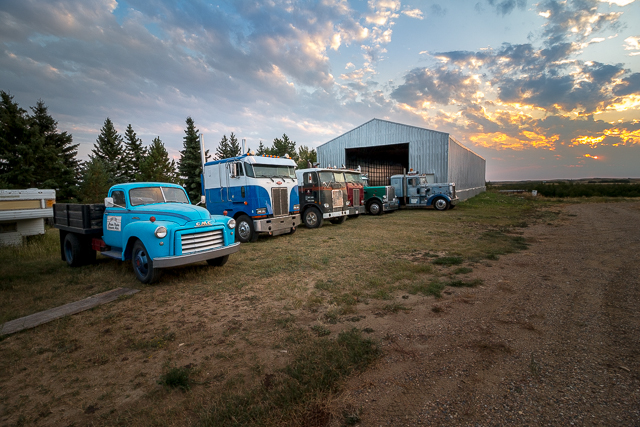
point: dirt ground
(552, 338)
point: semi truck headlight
(261, 211)
(326, 205)
(296, 207)
(161, 232)
(231, 223)
(348, 203)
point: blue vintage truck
(259, 192)
(414, 190)
(152, 224)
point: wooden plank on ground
(36, 319)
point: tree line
(35, 154)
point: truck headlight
(348, 203)
(161, 232)
(296, 207)
(261, 211)
(326, 205)
(384, 198)
(231, 223)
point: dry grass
(239, 330)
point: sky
(541, 90)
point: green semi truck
(377, 199)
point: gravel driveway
(551, 338)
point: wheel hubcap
(312, 218)
(244, 230)
(375, 208)
(141, 262)
(441, 204)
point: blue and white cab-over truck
(153, 224)
(259, 192)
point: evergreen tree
(157, 167)
(134, 155)
(58, 166)
(109, 148)
(190, 166)
(282, 146)
(262, 149)
(17, 155)
(234, 146)
(95, 182)
(228, 147)
(306, 157)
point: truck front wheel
(440, 204)
(313, 218)
(375, 207)
(245, 231)
(143, 264)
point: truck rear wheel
(143, 264)
(375, 207)
(73, 250)
(245, 231)
(218, 262)
(339, 220)
(440, 204)
(312, 218)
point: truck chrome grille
(280, 200)
(391, 193)
(336, 198)
(197, 242)
(356, 197)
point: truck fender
(144, 231)
(435, 196)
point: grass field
(264, 340)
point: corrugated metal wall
(429, 151)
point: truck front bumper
(276, 226)
(454, 202)
(173, 261)
(356, 210)
(390, 206)
(335, 214)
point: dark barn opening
(379, 162)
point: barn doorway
(379, 162)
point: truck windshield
(270, 171)
(355, 178)
(149, 195)
(331, 177)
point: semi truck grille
(336, 198)
(356, 197)
(280, 200)
(391, 193)
(197, 242)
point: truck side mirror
(108, 202)
(203, 200)
(233, 168)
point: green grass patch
(448, 260)
(463, 270)
(318, 369)
(175, 377)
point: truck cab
(323, 195)
(259, 192)
(379, 199)
(152, 224)
(355, 193)
(414, 190)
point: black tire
(374, 207)
(440, 204)
(143, 264)
(73, 250)
(312, 218)
(339, 220)
(245, 231)
(218, 262)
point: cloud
(413, 13)
(437, 10)
(505, 7)
(632, 43)
(440, 86)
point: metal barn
(383, 148)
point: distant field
(259, 341)
(595, 187)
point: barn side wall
(466, 169)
